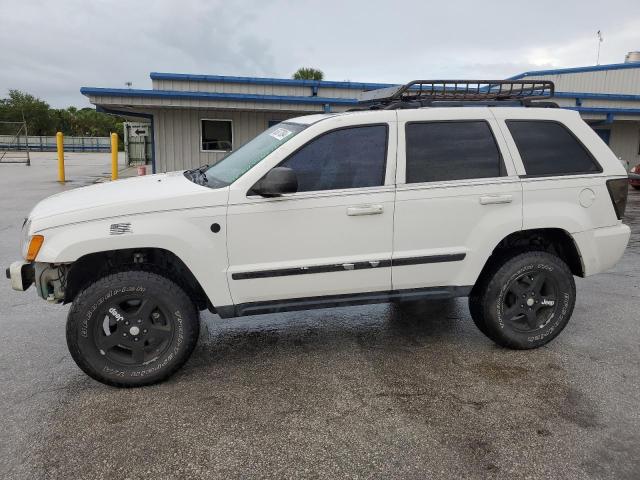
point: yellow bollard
(60, 147)
(114, 156)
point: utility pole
(600, 40)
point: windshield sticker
(280, 133)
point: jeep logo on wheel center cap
(134, 331)
(116, 314)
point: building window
(443, 151)
(548, 148)
(353, 157)
(216, 135)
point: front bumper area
(21, 274)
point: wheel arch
(552, 240)
(92, 266)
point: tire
(475, 309)
(524, 301)
(132, 329)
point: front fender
(185, 233)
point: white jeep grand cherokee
(502, 204)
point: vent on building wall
(632, 57)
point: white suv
(503, 204)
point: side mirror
(277, 181)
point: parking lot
(363, 392)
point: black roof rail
(423, 93)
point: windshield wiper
(197, 175)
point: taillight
(618, 190)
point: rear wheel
(524, 301)
(132, 328)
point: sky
(52, 48)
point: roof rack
(424, 93)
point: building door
(137, 142)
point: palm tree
(308, 73)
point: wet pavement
(376, 392)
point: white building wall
(624, 81)
(177, 134)
(625, 141)
(228, 87)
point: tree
(24, 106)
(43, 120)
(308, 73)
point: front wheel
(132, 328)
(525, 301)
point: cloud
(51, 49)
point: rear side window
(347, 158)
(440, 151)
(549, 148)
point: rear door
(457, 196)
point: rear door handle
(493, 199)
(365, 210)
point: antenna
(600, 40)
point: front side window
(216, 135)
(549, 148)
(353, 157)
(443, 151)
(234, 165)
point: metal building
(197, 119)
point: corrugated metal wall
(626, 81)
(625, 141)
(225, 87)
(177, 134)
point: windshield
(234, 165)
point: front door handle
(365, 210)
(493, 199)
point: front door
(458, 195)
(332, 237)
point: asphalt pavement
(362, 392)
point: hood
(131, 196)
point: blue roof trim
(605, 110)
(267, 81)
(240, 97)
(593, 68)
(598, 96)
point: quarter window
(216, 135)
(347, 158)
(441, 151)
(549, 148)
